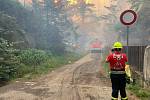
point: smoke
(97, 27)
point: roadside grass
(137, 87)
(143, 94)
(30, 72)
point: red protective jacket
(117, 61)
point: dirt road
(78, 81)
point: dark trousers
(118, 84)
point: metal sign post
(127, 40)
(128, 18)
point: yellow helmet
(117, 45)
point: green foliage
(52, 63)
(23, 70)
(143, 94)
(33, 57)
(7, 72)
(28, 62)
(8, 60)
(57, 61)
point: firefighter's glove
(128, 80)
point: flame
(88, 1)
(76, 18)
(74, 2)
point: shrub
(8, 60)
(33, 57)
(7, 72)
(143, 94)
(22, 70)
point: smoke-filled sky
(96, 30)
(91, 30)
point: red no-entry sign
(128, 17)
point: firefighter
(117, 61)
